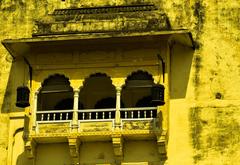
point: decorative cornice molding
(110, 19)
(105, 9)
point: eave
(21, 47)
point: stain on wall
(214, 74)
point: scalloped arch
(139, 75)
(97, 74)
(61, 77)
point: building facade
(119, 82)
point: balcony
(96, 111)
(97, 121)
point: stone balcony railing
(113, 124)
(96, 120)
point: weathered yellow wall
(202, 130)
(101, 152)
(54, 154)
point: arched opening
(138, 86)
(137, 94)
(67, 104)
(108, 102)
(55, 94)
(146, 101)
(98, 93)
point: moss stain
(196, 79)
(196, 129)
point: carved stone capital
(76, 92)
(118, 89)
(36, 93)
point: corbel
(74, 143)
(30, 148)
(117, 142)
(162, 144)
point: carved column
(34, 111)
(74, 143)
(75, 110)
(118, 106)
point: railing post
(34, 110)
(75, 110)
(118, 106)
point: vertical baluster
(132, 114)
(151, 113)
(83, 114)
(54, 116)
(125, 114)
(103, 115)
(48, 116)
(67, 116)
(96, 115)
(90, 115)
(42, 117)
(138, 114)
(110, 115)
(145, 114)
(60, 116)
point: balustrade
(96, 114)
(138, 113)
(55, 115)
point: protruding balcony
(62, 111)
(97, 120)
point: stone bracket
(162, 145)
(74, 143)
(30, 148)
(117, 142)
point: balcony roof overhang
(23, 46)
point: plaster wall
(55, 154)
(204, 118)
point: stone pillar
(34, 110)
(75, 110)
(118, 106)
